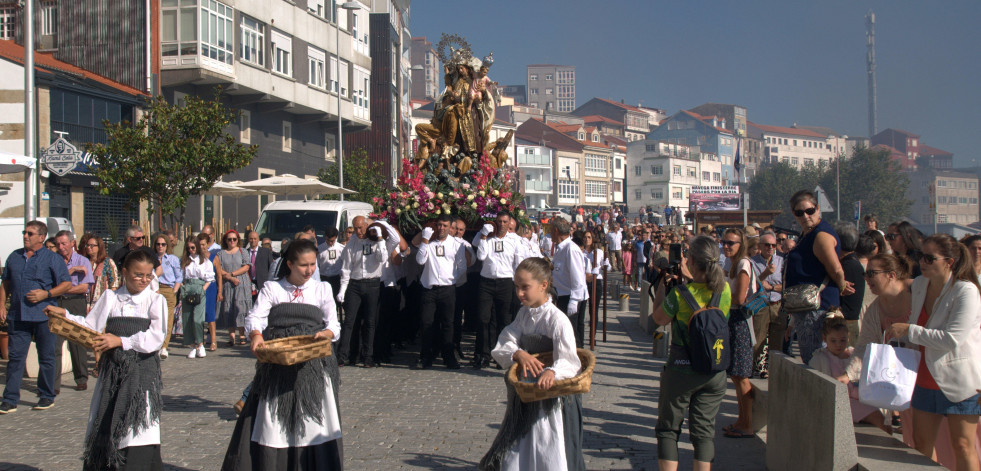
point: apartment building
(552, 87)
(948, 196)
(661, 174)
(636, 122)
(426, 70)
(798, 146)
(702, 134)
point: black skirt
(138, 458)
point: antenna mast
(870, 60)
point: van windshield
(284, 224)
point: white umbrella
(287, 184)
(232, 189)
(13, 163)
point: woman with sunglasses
(944, 322)
(814, 260)
(742, 283)
(104, 270)
(170, 279)
(905, 239)
(236, 289)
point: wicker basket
(529, 392)
(292, 350)
(77, 333)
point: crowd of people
(520, 289)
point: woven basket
(579, 384)
(292, 350)
(77, 333)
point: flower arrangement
(420, 196)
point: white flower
(415, 205)
(496, 192)
(437, 212)
(483, 193)
(469, 197)
(398, 211)
(520, 213)
(503, 201)
(473, 205)
(439, 195)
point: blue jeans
(20, 334)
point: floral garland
(413, 202)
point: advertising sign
(61, 157)
(714, 198)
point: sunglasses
(764, 244)
(159, 244)
(91, 245)
(892, 236)
(801, 212)
(232, 239)
(929, 258)
(730, 243)
(28, 233)
(871, 273)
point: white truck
(283, 219)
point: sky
(787, 62)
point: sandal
(733, 433)
(213, 347)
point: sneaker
(201, 353)
(193, 353)
(163, 354)
(7, 408)
(44, 404)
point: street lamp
(340, 138)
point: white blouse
(120, 303)
(313, 292)
(200, 271)
(545, 320)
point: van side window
(343, 224)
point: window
(596, 164)
(657, 194)
(49, 18)
(317, 58)
(359, 31)
(282, 46)
(180, 99)
(548, 91)
(637, 170)
(617, 186)
(548, 76)
(317, 7)
(216, 31)
(244, 126)
(253, 41)
(597, 190)
(676, 170)
(676, 192)
(333, 74)
(707, 176)
(287, 136)
(618, 162)
(343, 75)
(359, 93)
(657, 170)
(7, 17)
(795, 142)
(794, 161)
(568, 189)
(637, 194)
(692, 172)
(716, 176)
(533, 77)
(330, 148)
(533, 91)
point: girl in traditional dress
(124, 420)
(291, 419)
(546, 434)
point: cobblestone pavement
(393, 417)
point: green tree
(773, 186)
(170, 154)
(360, 174)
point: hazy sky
(785, 61)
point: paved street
(393, 417)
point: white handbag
(888, 376)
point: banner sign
(61, 157)
(714, 198)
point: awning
(13, 163)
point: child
(544, 434)
(832, 361)
(124, 420)
(291, 417)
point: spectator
(944, 323)
(771, 323)
(880, 242)
(80, 272)
(170, 281)
(905, 240)
(213, 293)
(198, 274)
(742, 283)
(872, 223)
(814, 261)
(852, 304)
(236, 287)
(973, 244)
(628, 259)
(134, 241)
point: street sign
(823, 201)
(61, 157)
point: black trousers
(79, 354)
(578, 319)
(335, 286)
(436, 323)
(389, 308)
(494, 301)
(458, 307)
(360, 301)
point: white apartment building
(535, 170)
(798, 146)
(661, 174)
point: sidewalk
(393, 417)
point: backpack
(708, 330)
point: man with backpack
(694, 379)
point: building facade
(552, 87)
(426, 70)
(518, 93)
(701, 133)
(636, 122)
(535, 167)
(944, 195)
(661, 174)
(798, 147)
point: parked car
(283, 219)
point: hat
(756, 225)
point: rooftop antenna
(870, 61)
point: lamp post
(340, 138)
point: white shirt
(314, 292)
(443, 262)
(614, 240)
(501, 255)
(601, 262)
(201, 271)
(329, 258)
(546, 245)
(569, 271)
(531, 248)
(362, 259)
(545, 320)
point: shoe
(476, 364)
(163, 354)
(453, 366)
(213, 347)
(238, 407)
(369, 364)
(44, 404)
(341, 363)
(8, 408)
(81, 387)
(57, 392)
(201, 353)
(193, 353)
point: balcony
(532, 186)
(534, 159)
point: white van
(11, 237)
(283, 219)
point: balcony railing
(536, 185)
(534, 159)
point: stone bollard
(624, 302)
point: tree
(170, 154)
(360, 174)
(868, 176)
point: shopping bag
(888, 376)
